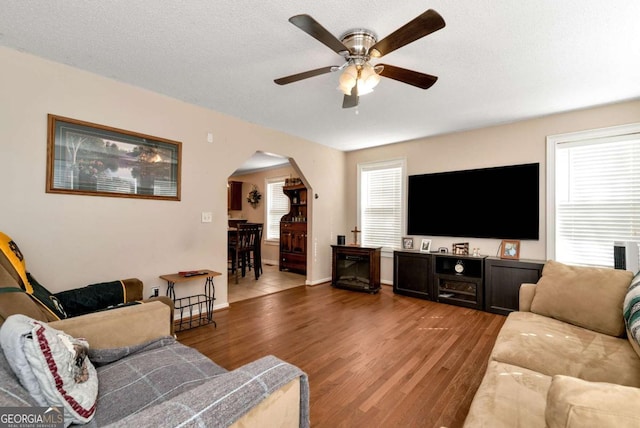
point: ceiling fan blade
(419, 27)
(313, 28)
(421, 80)
(304, 75)
(352, 100)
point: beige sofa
(565, 359)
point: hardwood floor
(380, 360)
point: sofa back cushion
(588, 297)
(631, 312)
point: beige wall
(521, 142)
(270, 251)
(71, 240)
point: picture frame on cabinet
(425, 245)
(510, 249)
(407, 243)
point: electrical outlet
(155, 291)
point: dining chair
(247, 249)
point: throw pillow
(631, 313)
(52, 366)
(588, 297)
(576, 403)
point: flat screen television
(500, 202)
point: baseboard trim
(318, 281)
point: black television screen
(501, 202)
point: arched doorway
(257, 174)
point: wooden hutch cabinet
(293, 230)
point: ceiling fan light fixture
(368, 80)
(348, 79)
(365, 76)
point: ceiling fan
(359, 46)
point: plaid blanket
(165, 383)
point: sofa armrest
(265, 392)
(282, 405)
(134, 289)
(118, 327)
(527, 292)
(167, 301)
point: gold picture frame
(85, 158)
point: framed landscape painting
(90, 159)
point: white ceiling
(498, 61)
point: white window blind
(277, 205)
(381, 210)
(597, 197)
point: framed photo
(425, 245)
(407, 243)
(88, 159)
(510, 250)
(460, 248)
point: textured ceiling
(497, 61)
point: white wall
(71, 240)
(514, 143)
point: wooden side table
(202, 302)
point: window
(380, 203)
(277, 205)
(593, 194)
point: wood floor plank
(372, 360)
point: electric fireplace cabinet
(356, 268)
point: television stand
(356, 268)
(458, 280)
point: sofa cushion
(52, 366)
(553, 347)
(575, 403)
(509, 396)
(585, 296)
(631, 312)
(12, 393)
